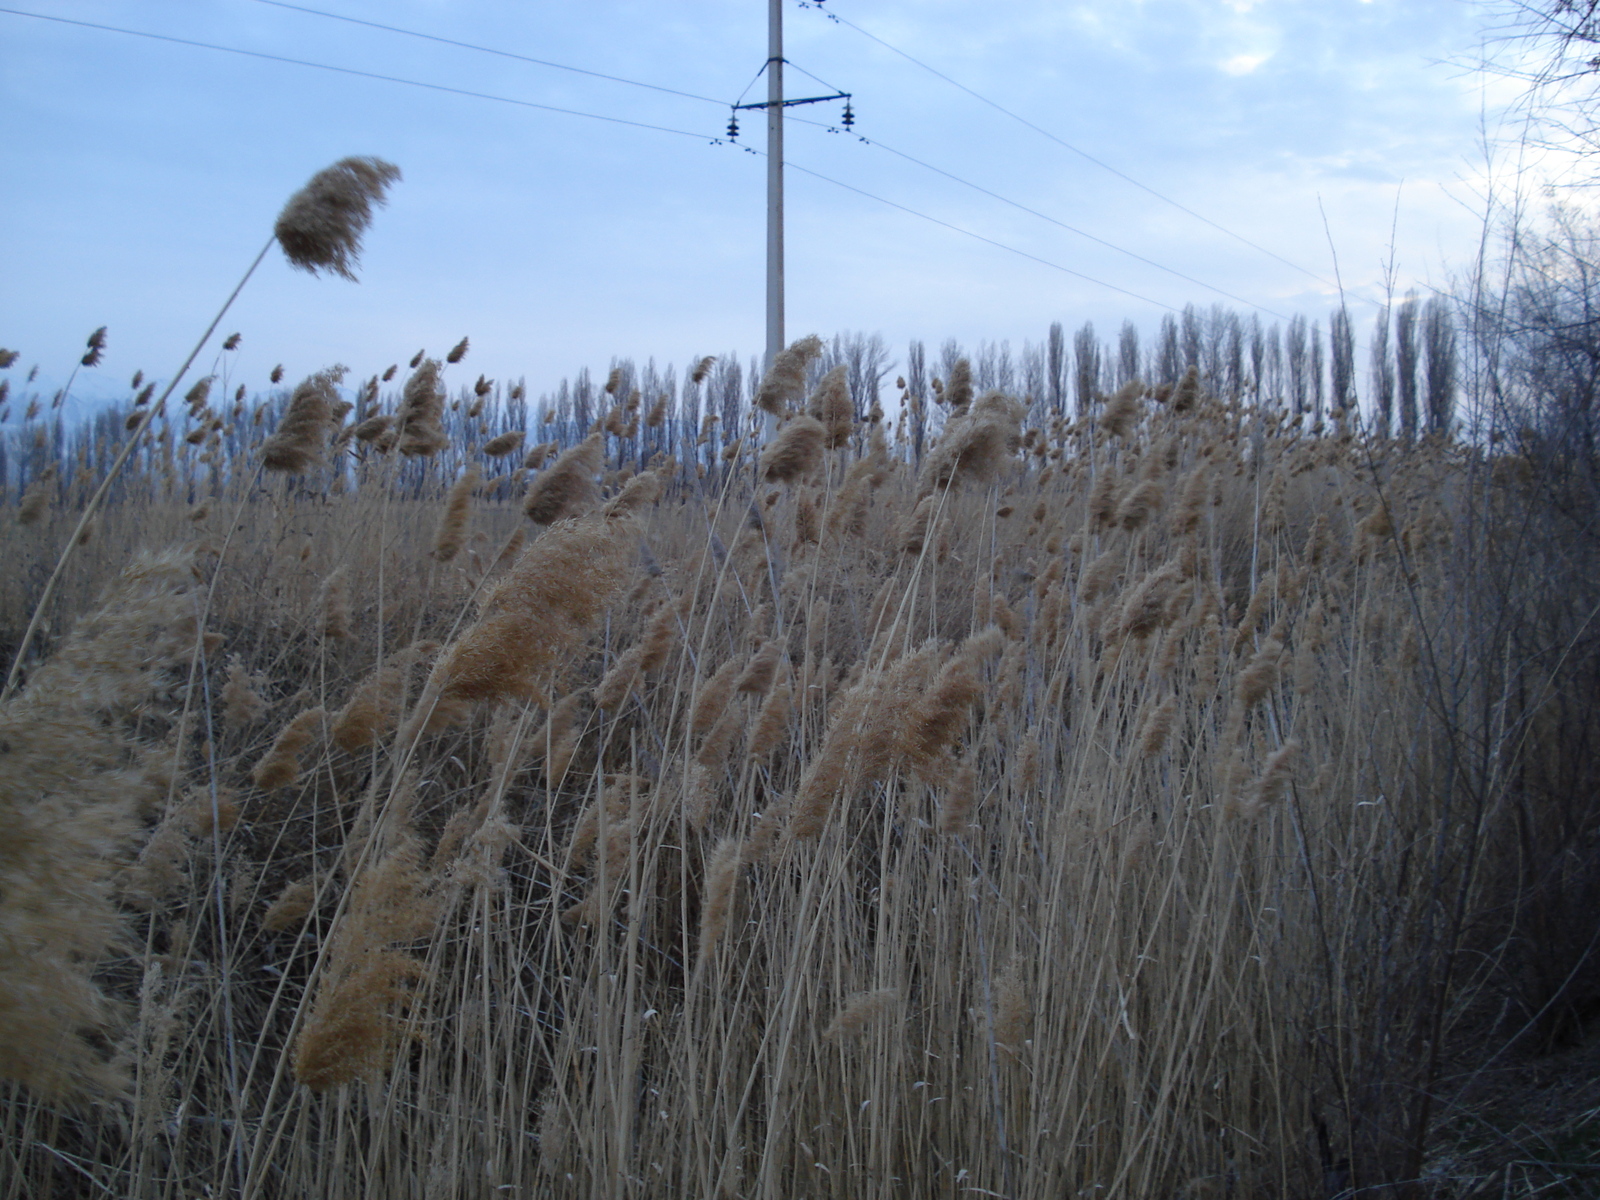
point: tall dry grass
(1098, 809)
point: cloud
(1243, 64)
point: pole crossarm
(790, 103)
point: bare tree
(1550, 47)
(1258, 355)
(1192, 336)
(917, 395)
(1342, 361)
(1168, 363)
(1272, 381)
(1127, 353)
(1295, 352)
(1382, 377)
(1056, 368)
(865, 358)
(950, 353)
(1314, 370)
(1439, 356)
(1232, 381)
(1405, 366)
(1086, 366)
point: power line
(444, 41)
(301, 62)
(689, 95)
(1054, 221)
(692, 96)
(593, 116)
(837, 19)
(968, 233)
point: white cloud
(1243, 64)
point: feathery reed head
(420, 431)
(786, 378)
(300, 441)
(1122, 410)
(831, 404)
(322, 225)
(567, 487)
(537, 613)
(957, 393)
(97, 347)
(974, 444)
(448, 539)
(506, 443)
(796, 452)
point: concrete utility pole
(775, 103)
(774, 181)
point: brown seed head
(957, 394)
(420, 431)
(831, 404)
(322, 225)
(795, 452)
(568, 486)
(301, 440)
(97, 346)
(785, 380)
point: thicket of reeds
(1150, 805)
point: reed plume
(418, 423)
(722, 873)
(785, 380)
(832, 406)
(242, 705)
(795, 453)
(321, 226)
(540, 611)
(1122, 411)
(957, 394)
(356, 1024)
(975, 444)
(36, 500)
(75, 785)
(506, 443)
(301, 439)
(859, 1011)
(451, 534)
(567, 487)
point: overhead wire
(794, 166)
(444, 41)
(284, 4)
(1105, 166)
(1045, 217)
(301, 62)
(464, 92)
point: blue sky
(141, 177)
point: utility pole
(774, 182)
(775, 103)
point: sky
(1320, 148)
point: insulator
(733, 126)
(849, 116)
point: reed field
(1167, 799)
